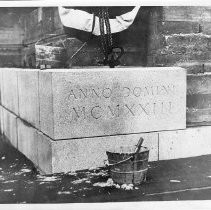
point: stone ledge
(194, 141)
(27, 141)
(80, 154)
(9, 126)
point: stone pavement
(181, 179)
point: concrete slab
(10, 127)
(10, 89)
(184, 143)
(99, 102)
(80, 154)
(28, 96)
(27, 141)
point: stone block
(196, 115)
(195, 67)
(10, 127)
(198, 98)
(80, 103)
(28, 96)
(199, 84)
(27, 140)
(177, 27)
(80, 154)
(10, 89)
(191, 142)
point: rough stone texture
(199, 84)
(195, 67)
(184, 143)
(181, 48)
(28, 96)
(199, 98)
(97, 102)
(79, 154)
(10, 127)
(10, 89)
(27, 141)
(177, 27)
(196, 115)
(187, 13)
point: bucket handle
(122, 161)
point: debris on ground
(110, 183)
(25, 170)
(127, 186)
(78, 181)
(64, 193)
(175, 181)
(8, 190)
(72, 173)
(48, 178)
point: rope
(106, 39)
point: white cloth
(82, 20)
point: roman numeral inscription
(120, 102)
(98, 112)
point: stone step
(9, 126)
(27, 141)
(88, 153)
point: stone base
(78, 154)
(87, 153)
(9, 126)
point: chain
(108, 29)
(106, 39)
(102, 32)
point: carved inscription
(108, 92)
(139, 106)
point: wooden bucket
(128, 167)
